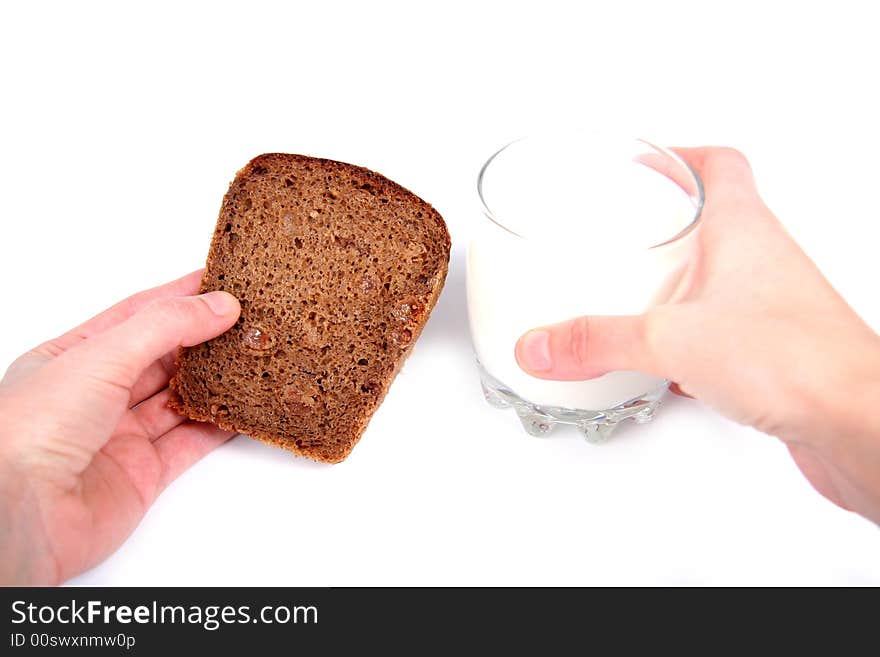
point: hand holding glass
(576, 224)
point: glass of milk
(576, 224)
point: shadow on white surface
(449, 320)
(246, 448)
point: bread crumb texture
(337, 269)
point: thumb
(87, 389)
(120, 354)
(587, 347)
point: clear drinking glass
(576, 224)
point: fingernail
(220, 303)
(534, 351)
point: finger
(185, 445)
(585, 348)
(725, 172)
(153, 379)
(153, 417)
(119, 312)
(733, 212)
(121, 354)
(677, 389)
(671, 167)
(34, 359)
(91, 382)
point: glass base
(595, 426)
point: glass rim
(700, 197)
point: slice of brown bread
(337, 269)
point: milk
(583, 247)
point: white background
(120, 129)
